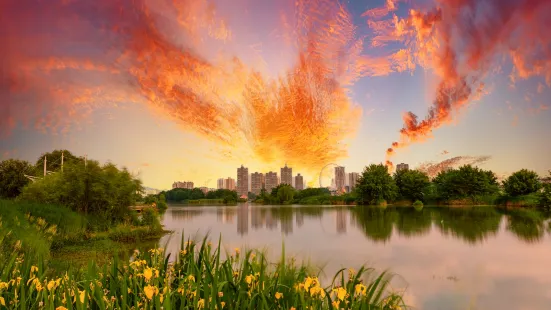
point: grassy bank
(49, 230)
(200, 278)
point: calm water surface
(448, 258)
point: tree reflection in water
(473, 225)
(527, 225)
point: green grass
(199, 278)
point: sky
(189, 90)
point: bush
(417, 204)
(150, 218)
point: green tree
(412, 184)
(522, 182)
(53, 161)
(12, 177)
(544, 197)
(285, 193)
(465, 182)
(105, 191)
(376, 184)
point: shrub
(150, 218)
(418, 204)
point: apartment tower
(287, 175)
(257, 182)
(242, 181)
(299, 182)
(271, 181)
(352, 180)
(339, 178)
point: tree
(12, 177)
(412, 184)
(375, 184)
(251, 196)
(544, 197)
(465, 182)
(285, 193)
(53, 160)
(104, 191)
(522, 182)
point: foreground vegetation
(80, 209)
(199, 278)
(58, 233)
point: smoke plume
(462, 41)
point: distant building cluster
(255, 182)
(188, 185)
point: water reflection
(471, 224)
(499, 257)
(527, 225)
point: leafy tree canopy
(375, 184)
(12, 177)
(522, 182)
(412, 184)
(102, 190)
(313, 191)
(53, 161)
(465, 182)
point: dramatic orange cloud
(481, 32)
(65, 59)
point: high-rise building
(257, 182)
(220, 183)
(402, 166)
(188, 185)
(339, 178)
(287, 175)
(299, 182)
(352, 180)
(242, 181)
(227, 183)
(271, 181)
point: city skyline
(257, 181)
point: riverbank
(67, 238)
(199, 279)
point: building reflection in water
(243, 219)
(182, 214)
(341, 220)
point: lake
(451, 258)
